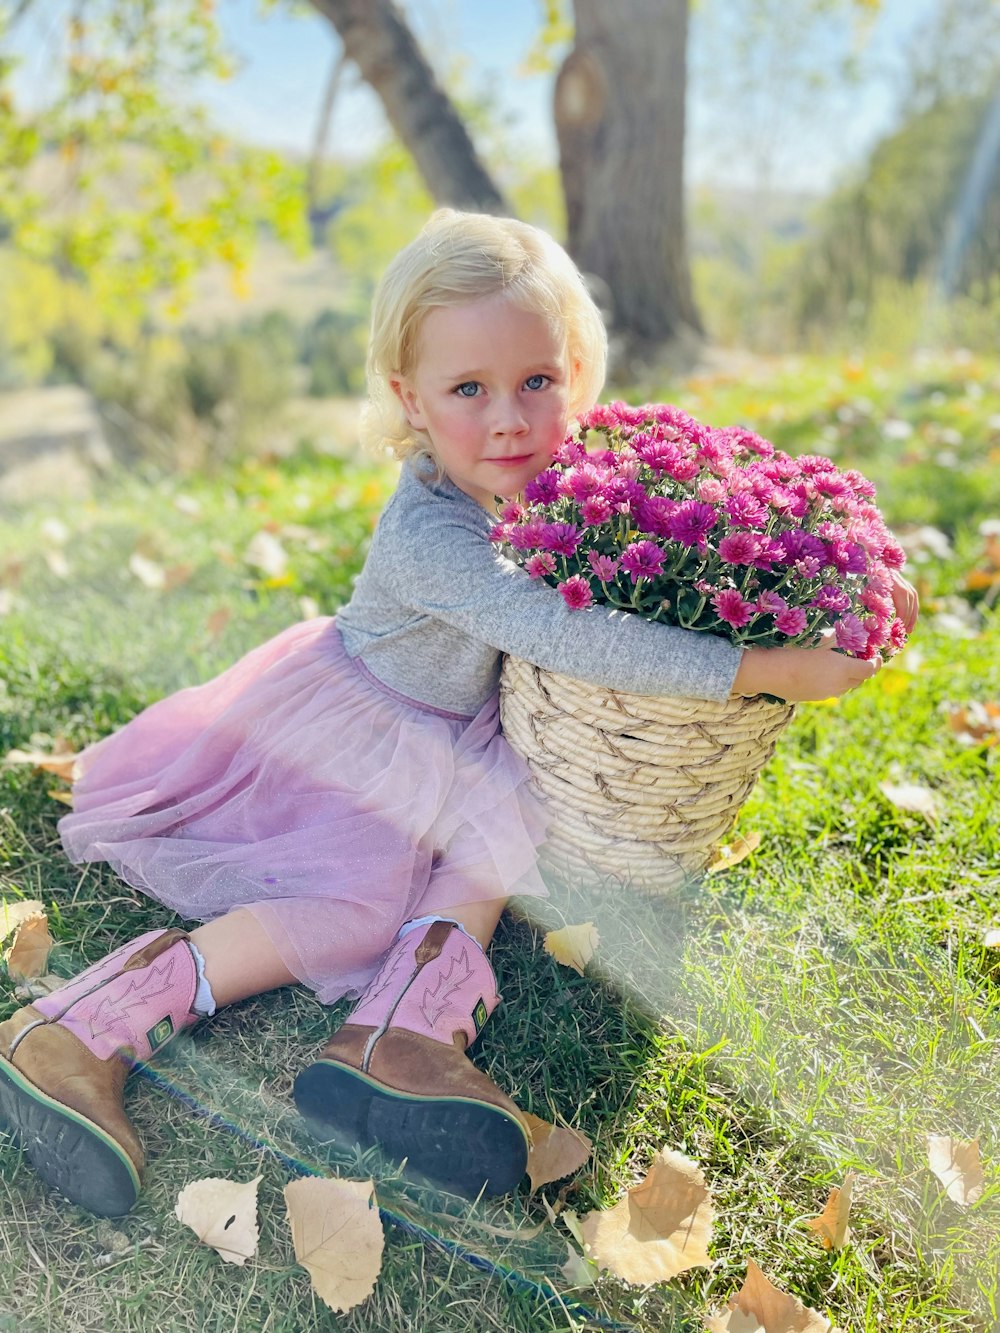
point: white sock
(204, 1000)
(407, 926)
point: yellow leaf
(338, 1237)
(759, 1307)
(61, 760)
(12, 914)
(267, 554)
(911, 796)
(731, 854)
(222, 1214)
(956, 1164)
(29, 954)
(555, 1151)
(59, 795)
(578, 1271)
(573, 946)
(659, 1229)
(991, 938)
(831, 1224)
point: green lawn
(820, 1008)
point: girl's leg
(240, 959)
(479, 919)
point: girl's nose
(508, 417)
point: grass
(820, 1008)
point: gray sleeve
(449, 570)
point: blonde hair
(463, 257)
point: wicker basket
(640, 789)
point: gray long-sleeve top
(436, 605)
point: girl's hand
(800, 675)
(905, 600)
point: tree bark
(376, 37)
(619, 115)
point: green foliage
(157, 194)
(890, 226)
(333, 353)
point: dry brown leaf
(176, 575)
(956, 1164)
(573, 946)
(37, 987)
(338, 1237)
(975, 723)
(911, 796)
(218, 621)
(222, 1214)
(759, 1307)
(60, 760)
(28, 956)
(659, 1229)
(831, 1224)
(578, 1270)
(556, 1151)
(12, 914)
(732, 853)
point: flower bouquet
(650, 511)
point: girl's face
(491, 389)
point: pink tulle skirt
(299, 787)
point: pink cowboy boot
(397, 1075)
(65, 1058)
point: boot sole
(70, 1152)
(464, 1146)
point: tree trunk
(376, 37)
(619, 115)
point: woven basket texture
(638, 788)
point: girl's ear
(407, 395)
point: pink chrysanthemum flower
(893, 555)
(731, 608)
(544, 488)
(711, 490)
(654, 515)
(500, 532)
(562, 538)
(642, 560)
(808, 567)
(691, 523)
(576, 592)
(739, 548)
(790, 621)
(851, 634)
(831, 598)
(746, 510)
(603, 566)
(512, 512)
(595, 510)
(529, 534)
(771, 603)
(897, 635)
(541, 564)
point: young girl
(339, 807)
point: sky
(744, 125)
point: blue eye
(469, 384)
(536, 381)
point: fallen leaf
(555, 1151)
(578, 1270)
(61, 760)
(975, 723)
(57, 563)
(759, 1307)
(338, 1237)
(29, 954)
(148, 572)
(218, 621)
(732, 853)
(222, 1214)
(267, 554)
(659, 1229)
(176, 575)
(956, 1164)
(912, 797)
(308, 608)
(12, 914)
(573, 946)
(34, 988)
(831, 1224)
(58, 795)
(991, 938)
